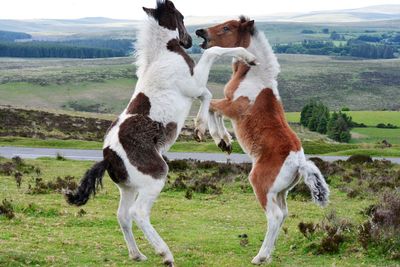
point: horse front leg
(232, 109)
(202, 116)
(219, 133)
(202, 69)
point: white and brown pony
(168, 81)
(253, 104)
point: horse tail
(89, 184)
(315, 181)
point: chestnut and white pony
(168, 81)
(253, 104)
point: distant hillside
(13, 36)
(54, 28)
(370, 13)
(106, 85)
(117, 28)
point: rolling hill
(99, 26)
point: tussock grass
(204, 229)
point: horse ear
(249, 24)
(170, 4)
(149, 11)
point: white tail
(316, 182)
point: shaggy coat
(168, 81)
(253, 104)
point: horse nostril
(200, 32)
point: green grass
(310, 147)
(371, 134)
(49, 143)
(114, 95)
(375, 135)
(372, 118)
(373, 152)
(292, 116)
(209, 146)
(369, 118)
(202, 231)
(56, 83)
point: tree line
(85, 48)
(316, 116)
(373, 46)
(351, 48)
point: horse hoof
(260, 260)
(198, 136)
(139, 257)
(169, 263)
(229, 148)
(222, 145)
(225, 147)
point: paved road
(96, 155)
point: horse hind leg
(127, 199)
(275, 219)
(271, 194)
(141, 214)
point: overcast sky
(131, 9)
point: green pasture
(202, 231)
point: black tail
(88, 185)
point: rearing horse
(168, 81)
(253, 104)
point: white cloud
(131, 9)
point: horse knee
(273, 209)
(138, 214)
(213, 132)
(124, 219)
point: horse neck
(151, 43)
(269, 68)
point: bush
(359, 159)
(328, 235)
(307, 31)
(41, 187)
(7, 209)
(359, 125)
(315, 116)
(339, 127)
(382, 229)
(386, 126)
(300, 192)
(178, 165)
(17, 167)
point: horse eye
(226, 29)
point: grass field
(202, 231)
(58, 83)
(369, 118)
(375, 135)
(310, 147)
(371, 134)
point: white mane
(263, 75)
(265, 55)
(151, 40)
